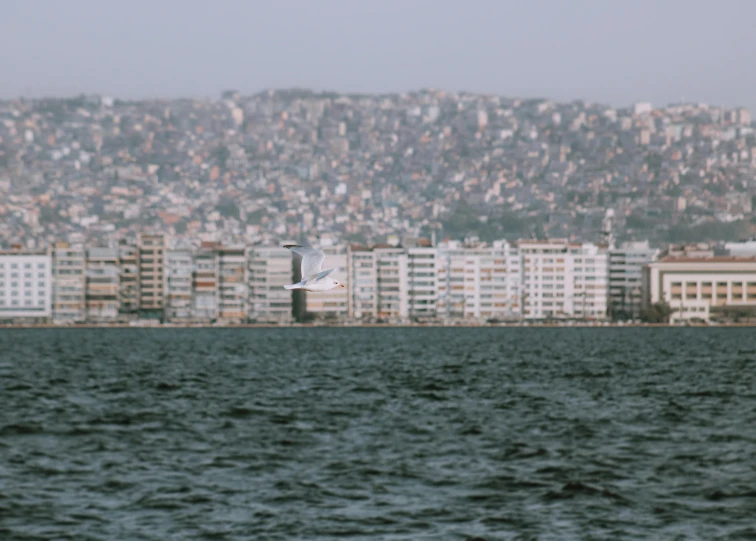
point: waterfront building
(232, 283)
(626, 278)
(152, 248)
(270, 268)
(25, 284)
(703, 288)
(69, 283)
(563, 280)
(332, 304)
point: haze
(612, 52)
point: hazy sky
(613, 51)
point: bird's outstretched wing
(312, 259)
(321, 275)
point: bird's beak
(342, 285)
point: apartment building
(269, 269)
(703, 288)
(422, 284)
(128, 257)
(626, 278)
(232, 283)
(333, 304)
(69, 283)
(25, 284)
(478, 282)
(391, 275)
(102, 284)
(151, 250)
(362, 283)
(179, 270)
(562, 280)
(205, 283)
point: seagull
(313, 278)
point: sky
(610, 51)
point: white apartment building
(422, 283)
(377, 283)
(626, 278)
(269, 269)
(362, 283)
(232, 283)
(478, 282)
(179, 269)
(103, 284)
(69, 283)
(333, 303)
(700, 287)
(25, 284)
(391, 274)
(563, 280)
(205, 284)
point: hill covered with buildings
(363, 168)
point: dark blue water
(547, 434)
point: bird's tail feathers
(298, 285)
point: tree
(656, 313)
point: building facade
(232, 283)
(69, 283)
(151, 250)
(626, 278)
(103, 284)
(333, 304)
(25, 284)
(179, 269)
(563, 280)
(703, 288)
(269, 269)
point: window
(27, 265)
(40, 265)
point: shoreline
(597, 325)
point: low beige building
(702, 288)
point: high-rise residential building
(25, 284)
(563, 280)
(333, 304)
(69, 283)
(103, 284)
(232, 283)
(626, 278)
(377, 283)
(270, 268)
(479, 282)
(703, 288)
(362, 283)
(422, 284)
(179, 270)
(128, 256)
(205, 283)
(152, 249)
(392, 283)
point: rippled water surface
(547, 434)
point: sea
(378, 433)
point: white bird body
(314, 279)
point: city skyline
(615, 54)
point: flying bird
(313, 278)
